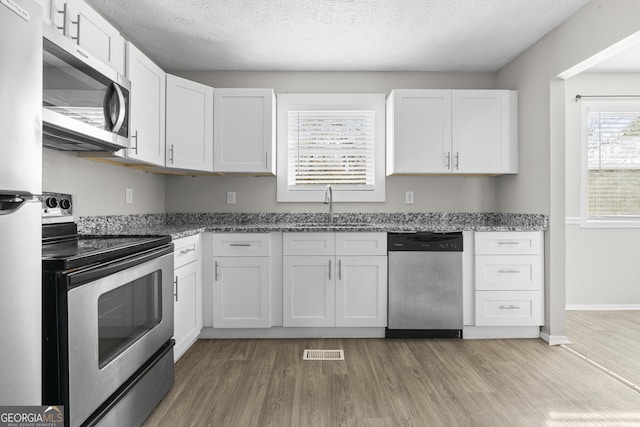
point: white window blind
(613, 164)
(334, 147)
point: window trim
(606, 104)
(338, 101)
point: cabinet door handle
(175, 294)
(64, 19)
(135, 136)
(245, 245)
(509, 307)
(329, 269)
(77, 24)
(512, 271)
(215, 271)
(449, 160)
(266, 160)
(339, 269)
(507, 243)
(457, 160)
(171, 154)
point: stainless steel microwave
(85, 103)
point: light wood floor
(610, 338)
(392, 383)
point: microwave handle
(121, 113)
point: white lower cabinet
(361, 291)
(509, 279)
(241, 280)
(187, 293)
(334, 279)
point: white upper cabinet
(451, 131)
(147, 108)
(485, 131)
(189, 128)
(81, 23)
(418, 131)
(244, 131)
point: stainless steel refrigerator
(20, 222)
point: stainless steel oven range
(107, 321)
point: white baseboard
(554, 339)
(500, 332)
(602, 307)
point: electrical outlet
(408, 197)
(128, 195)
(231, 197)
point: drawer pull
(507, 243)
(509, 307)
(245, 245)
(186, 251)
(509, 271)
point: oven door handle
(97, 271)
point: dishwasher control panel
(425, 241)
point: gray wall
(258, 194)
(538, 75)
(602, 264)
(99, 187)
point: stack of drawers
(509, 279)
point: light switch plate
(128, 195)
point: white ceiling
(335, 35)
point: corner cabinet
(148, 93)
(334, 279)
(187, 293)
(189, 125)
(244, 131)
(509, 279)
(452, 132)
(241, 280)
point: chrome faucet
(328, 199)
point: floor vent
(323, 355)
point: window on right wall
(611, 164)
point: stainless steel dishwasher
(425, 285)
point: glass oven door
(116, 322)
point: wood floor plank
(610, 338)
(392, 383)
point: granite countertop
(183, 225)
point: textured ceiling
(335, 35)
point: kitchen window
(331, 139)
(611, 164)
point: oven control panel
(56, 207)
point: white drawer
(309, 243)
(186, 250)
(509, 308)
(361, 243)
(508, 272)
(241, 244)
(508, 242)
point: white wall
(258, 194)
(539, 187)
(602, 264)
(100, 188)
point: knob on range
(51, 202)
(65, 203)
